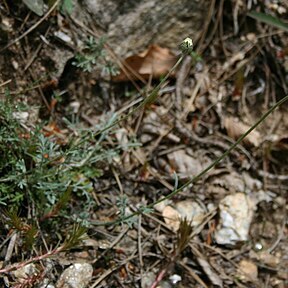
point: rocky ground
(70, 178)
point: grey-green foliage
(13, 148)
(35, 168)
(94, 57)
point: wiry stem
(203, 172)
(17, 266)
(147, 101)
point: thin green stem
(203, 172)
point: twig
(17, 266)
(193, 274)
(5, 83)
(206, 25)
(32, 27)
(217, 250)
(117, 239)
(10, 247)
(110, 271)
(181, 77)
(203, 172)
(281, 234)
(206, 267)
(36, 52)
(140, 250)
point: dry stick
(38, 49)
(5, 83)
(203, 172)
(140, 252)
(110, 271)
(206, 25)
(32, 27)
(17, 266)
(112, 245)
(193, 274)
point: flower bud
(187, 46)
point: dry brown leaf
(235, 129)
(155, 61)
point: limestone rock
(77, 275)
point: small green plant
(183, 237)
(77, 234)
(46, 170)
(26, 230)
(94, 57)
(187, 46)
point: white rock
(77, 275)
(175, 278)
(21, 116)
(236, 212)
(64, 37)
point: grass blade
(270, 20)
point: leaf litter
(239, 74)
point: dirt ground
(226, 228)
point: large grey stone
(132, 25)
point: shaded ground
(238, 71)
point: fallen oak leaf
(154, 61)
